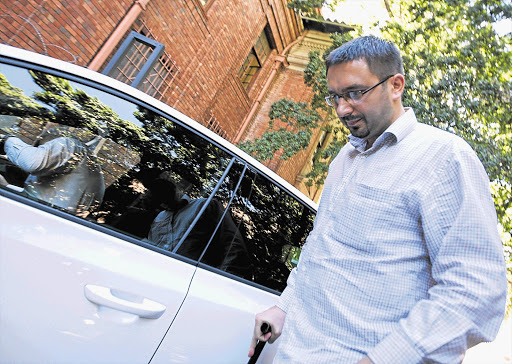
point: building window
(249, 68)
(320, 146)
(214, 126)
(160, 77)
(262, 47)
(142, 63)
(254, 60)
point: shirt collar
(402, 127)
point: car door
(182, 240)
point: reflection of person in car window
(227, 249)
(62, 170)
(136, 218)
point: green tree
(298, 118)
(458, 78)
(14, 102)
(306, 7)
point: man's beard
(360, 129)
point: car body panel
(45, 264)
(73, 290)
(219, 314)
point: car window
(107, 160)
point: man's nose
(343, 108)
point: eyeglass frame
(333, 100)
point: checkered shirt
(404, 263)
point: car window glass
(273, 226)
(105, 159)
(227, 249)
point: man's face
(370, 116)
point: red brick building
(221, 62)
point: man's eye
(355, 95)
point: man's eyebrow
(355, 87)
(347, 89)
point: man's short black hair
(383, 57)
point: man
(404, 264)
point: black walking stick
(265, 328)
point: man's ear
(397, 85)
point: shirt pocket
(369, 216)
(383, 205)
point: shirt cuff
(3, 139)
(397, 349)
(285, 299)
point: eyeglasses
(352, 97)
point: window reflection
(62, 167)
(146, 176)
(274, 220)
(122, 158)
(273, 224)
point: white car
(149, 239)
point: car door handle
(104, 296)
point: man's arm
(466, 302)
(60, 153)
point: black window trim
(203, 208)
(158, 50)
(227, 207)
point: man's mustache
(349, 118)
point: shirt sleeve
(54, 156)
(286, 297)
(466, 302)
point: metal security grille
(130, 64)
(214, 126)
(160, 77)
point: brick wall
(208, 49)
(217, 42)
(71, 30)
